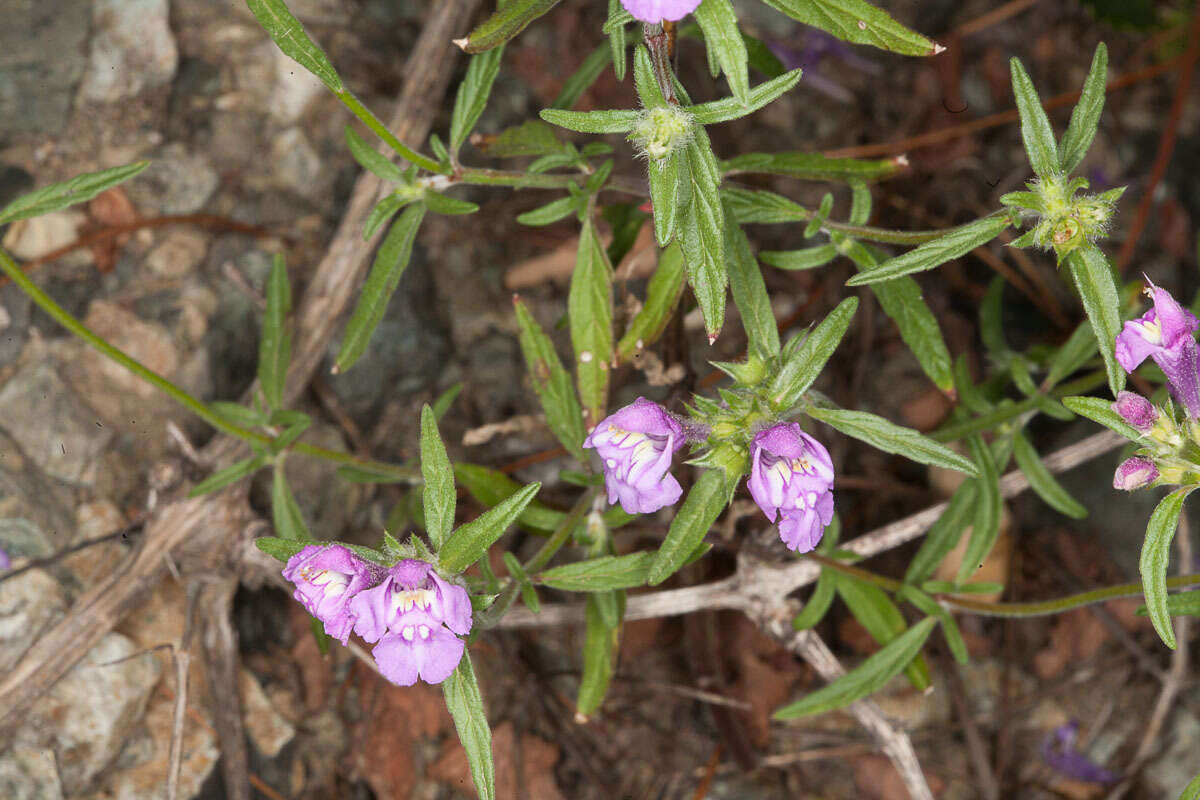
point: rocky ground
(249, 160)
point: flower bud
(1135, 473)
(661, 131)
(1136, 410)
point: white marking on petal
(423, 630)
(407, 633)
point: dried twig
(182, 658)
(221, 654)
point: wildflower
(1164, 333)
(636, 444)
(1059, 751)
(327, 578)
(1135, 473)
(1136, 410)
(414, 615)
(658, 10)
(791, 478)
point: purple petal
(410, 573)
(5, 561)
(396, 661)
(453, 605)
(801, 530)
(371, 610)
(657, 10)
(438, 655)
(1135, 473)
(1136, 410)
(1058, 751)
(1176, 321)
(642, 416)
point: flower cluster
(791, 473)
(1165, 335)
(412, 615)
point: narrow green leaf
(372, 160)
(1086, 116)
(818, 602)
(531, 138)
(384, 210)
(1044, 483)
(756, 206)
(465, 704)
(438, 493)
(881, 618)
(585, 75)
(867, 678)
(467, 544)
(664, 196)
(926, 604)
(473, 95)
(1098, 410)
(1156, 554)
(1093, 277)
(858, 22)
(1036, 132)
(600, 574)
(390, 263)
(729, 108)
(1079, 347)
(507, 22)
(985, 525)
(750, 292)
(892, 438)
(275, 346)
(79, 189)
(223, 477)
(649, 92)
(991, 323)
(589, 311)
(806, 258)
(702, 230)
(600, 648)
(699, 511)
(550, 213)
(662, 296)
(238, 414)
(490, 487)
(610, 121)
(860, 202)
(811, 166)
(616, 39)
(806, 355)
(944, 534)
(281, 549)
(285, 512)
(444, 204)
(955, 243)
(724, 43)
(290, 37)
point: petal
(370, 611)
(644, 416)
(1176, 321)
(396, 659)
(1132, 345)
(454, 605)
(656, 10)
(438, 655)
(757, 484)
(801, 531)
(410, 573)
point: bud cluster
(661, 131)
(1065, 219)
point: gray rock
(29, 604)
(54, 429)
(28, 773)
(176, 182)
(132, 49)
(42, 57)
(88, 716)
(296, 164)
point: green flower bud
(661, 131)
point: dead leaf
(397, 718)
(877, 779)
(538, 758)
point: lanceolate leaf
(611, 121)
(944, 534)
(756, 206)
(1036, 132)
(506, 23)
(1156, 554)
(664, 193)
(876, 612)
(601, 642)
(649, 92)
(471, 541)
(223, 477)
(811, 166)
(858, 22)
(79, 189)
(550, 213)
(732, 108)
(891, 438)
(1100, 411)
(1093, 277)
(724, 43)
(371, 159)
(290, 37)
(806, 355)
(985, 526)
(818, 602)
(473, 95)
(465, 704)
(1042, 481)
(438, 493)
(1086, 116)
(275, 346)
(806, 258)
(750, 292)
(953, 244)
(384, 210)
(662, 296)
(701, 230)
(282, 549)
(530, 138)
(699, 511)
(589, 308)
(390, 263)
(600, 574)
(869, 676)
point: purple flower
(1058, 750)
(791, 477)
(5, 561)
(1136, 410)
(658, 10)
(636, 444)
(327, 578)
(1135, 473)
(1164, 333)
(414, 615)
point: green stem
(562, 533)
(371, 121)
(1039, 608)
(68, 321)
(990, 420)
(885, 235)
